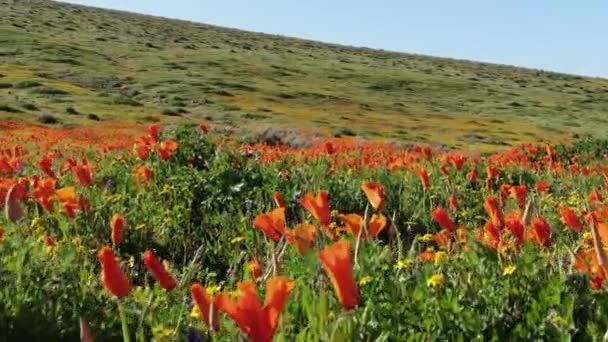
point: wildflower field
(177, 232)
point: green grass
(132, 67)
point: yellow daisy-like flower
(440, 258)
(403, 264)
(435, 280)
(213, 290)
(587, 235)
(427, 238)
(166, 189)
(509, 270)
(238, 239)
(195, 313)
(365, 280)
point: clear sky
(561, 35)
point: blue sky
(561, 35)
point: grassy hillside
(74, 61)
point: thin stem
(126, 337)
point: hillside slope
(74, 61)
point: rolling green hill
(82, 64)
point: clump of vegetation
(94, 117)
(47, 118)
(26, 84)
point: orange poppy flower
(490, 235)
(353, 223)
(424, 178)
(493, 210)
(44, 192)
(570, 219)
(207, 305)
(425, 256)
(158, 271)
(1, 234)
(586, 262)
(143, 174)
(258, 322)
(272, 224)
(69, 200)
(303, 235)
(118, 226)
(441, 217)
(166, 149)
(203, 127)
(114, 280)
(337, 261)
(540, 232)
(318, 206)
(375, 194)
(376, 225)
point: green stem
(126, 337)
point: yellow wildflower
(365, 280)
(427, 238)
(440, 258)
(509, 270)
(587, 235)
(213, 290)
(435, 280)
(195, 313)
(403, 264)
(238, 239)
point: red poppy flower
(337, 261)
(114, 280)
(472, 177)
(203, 127)
(158, 271)
(45, 165)
(118, 226)
(84, 174)
(519, 193)
(424, 178)
(493, 210)
(278, 200)
(166, 149)
(540, 232)
(514, 224)
(541, 186)
(154, 132)
(441, 217)
(570, 219)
